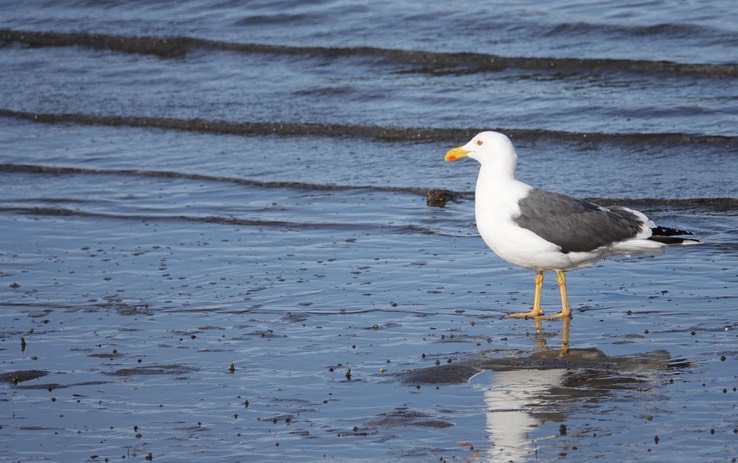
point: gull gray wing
(573, 224)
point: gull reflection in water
(521, 393)
(509, 401)
(524, 391)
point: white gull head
(493, 150)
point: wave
(60, 170)
(720, 203)
(662, 30)
(211, 219)
(390, 134)
(432, 62)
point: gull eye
(479, 142)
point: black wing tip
(672, 236)
(666, 231)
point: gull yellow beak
(457, 153)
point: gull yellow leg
(536, 312)
(565, 309)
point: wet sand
(170, 342)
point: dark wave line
(172, 47)
(57, 170)
(391, 134)
(716, 204)
(64, 212)
(661, 30)
(720, 203)
(234, 221)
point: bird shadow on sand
(590, 363)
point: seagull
(546, 231)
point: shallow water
(215, 242)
